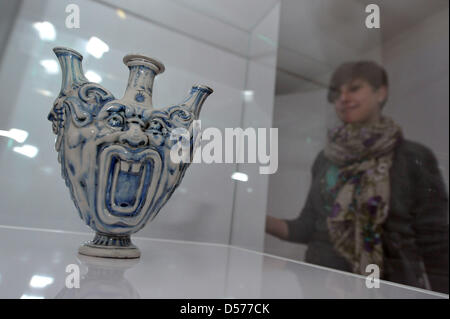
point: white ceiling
(225, 24)
(243, 14)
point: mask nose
(135, 135)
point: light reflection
(96, 47)
(121, 13)
(25, 296)
(104, 278)
(93, 77)
(38, 281)
(18, 135)
(27, 150)
(44, 92)
(267, 40)
(51, 66)
(248, 95)
(240, 176)
(46, 30)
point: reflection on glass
(27, 150)
(105, 278)
(46, 30)
(240, 176)
(377, 200)
(93, 77)
(96, 47)
(46, 93)
(18, 135)
(38, 281)
(248, 95)
(25, 296)
(267, 40)
(121, 14)
(51, 66)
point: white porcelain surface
(34, 262)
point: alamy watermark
(373, 19)
(373, 279)
(252, 146)
(73, 278)
(73, 19)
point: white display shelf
(33, 264)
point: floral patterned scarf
(363, 154)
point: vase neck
(72, 71)
(140, 81)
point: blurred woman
(375, 197)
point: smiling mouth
(349, 108)
(127, 180)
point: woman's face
(359, 102)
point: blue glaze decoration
(139, 97)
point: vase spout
(140, 81)
(71, 68)
(197, 97)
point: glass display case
(270, 63)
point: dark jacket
(415, 234)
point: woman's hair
(369, 71)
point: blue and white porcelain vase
(115, 153)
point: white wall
(417, 62)
(33, 194)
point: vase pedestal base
(110, 246)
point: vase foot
(110, 246)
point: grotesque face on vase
(116, 161)
(358, 102)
